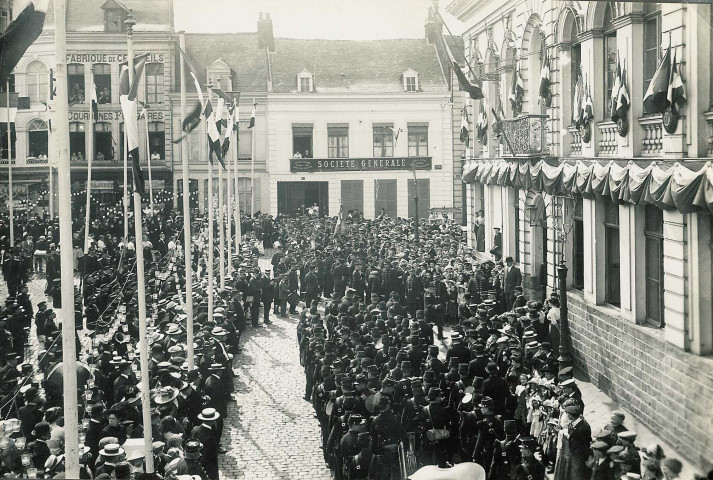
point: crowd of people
(375, 307)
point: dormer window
(305, 82)
(410, 78)
(219, 73)
(4, 16)
(114, 16)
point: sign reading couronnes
(358, 164)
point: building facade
(621, 203)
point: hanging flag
(577, 103)
(252, 116)
(498, 115)
(656, 95)
(474, 90)
(622, 101)
(8, 112)
(129, 105)
(94, 102)
(613, 100)
(676, 94)
(482, 130)
(587, 105)
(545, 79)
(517, 91)
(47, 116)
(464, 134)
(20, 34)
(213, 134)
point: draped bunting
(673, 188)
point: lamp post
(565, 359)
(415, 206)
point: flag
(94, 102)
(20, 34)
(473, 89)
(498, 116)
(464, 134)
(587, 105)
(676, 94)
(577, 102)
(192, 120)
(482, 128)
(340, 227)
(252, 116)
(213, 133)
(615, 92)
(8, 112)
(657, 93)
(129, 104)
(545, 79)
(622, 101)
(46, 115)
(517, 90)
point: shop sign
(110, 57)
(315, 165)
(108, 116)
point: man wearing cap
(190, 464)
(506, 455)
(576, 445)
(599, 463)
(490, 429)
(531, 468)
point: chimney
(433, 23)
(265, 37)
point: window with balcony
(37, 82)
(612, 253)
(383, 140)
(338, 141)
(653, 232)
(157, 140)
(418, 140)
(610, 58)
(154, 83)
(76, 141)
(102, 80)
(75, 83)
(652, 41)
(37, 139)
(103, 142)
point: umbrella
(55, 375)
(461, 471)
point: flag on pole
(252, 116)
(587, 105)
(676, 94)
(615, 92)
(517, 90)
(93, 101)
(129, 106)
(482, 129)
(577, 102)
(20, 34)
(213, 133)
(464, 133)
(622, 101)
(498, 116)
(474, 90)
(657, 94)
(545, 79)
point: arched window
(76, 141)
(535, 60)
(37, 82)
(157, 140)
(103, 148)
(610, 57)
(37, 139)
(575, 67)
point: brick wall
(668, 390)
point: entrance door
(297, 197)
(352, 196)
(385, 197)
(424, 198)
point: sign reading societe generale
(359, 164)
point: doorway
(297, 197)
(538, 226)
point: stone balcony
(527, 135)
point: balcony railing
(575, 140)
(527, 135)
(607, 138)
(652, 141)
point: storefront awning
(676, 187)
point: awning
(675, 188)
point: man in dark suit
(97, 422)
(39, 449)
(31, 414)
(580, 440)
(513, 278)
(205, 433)
(496, 387)
(530, 468)
(497, 250)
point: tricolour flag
(193, 117)
(656, 95)
(622, 101)
(577, 102)
(20, 34)
(464, 133)
(252, 115)
(129, 104)
(474, 90)
(213, 133)
(482, 126)
(517, 89)
(587, 105)
(93, 101)
(676, 95)
(545, 79)
(614, 99)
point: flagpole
(49, 163)
(210, 216)
(148, 159)
(126, 188)
(229, 206)
(69, 354)
(141, 287)
(9, 165)
(221, 231)
(238, 227)
(186, 215)
(252, 167)
(90, 156)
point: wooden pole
(148, 159)
(186, 214)
(210, 219)
(69, 354)
(229, 205)
(252, 167)
(90, 156)
(141, 285)
(9, 166)
(238, 229)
